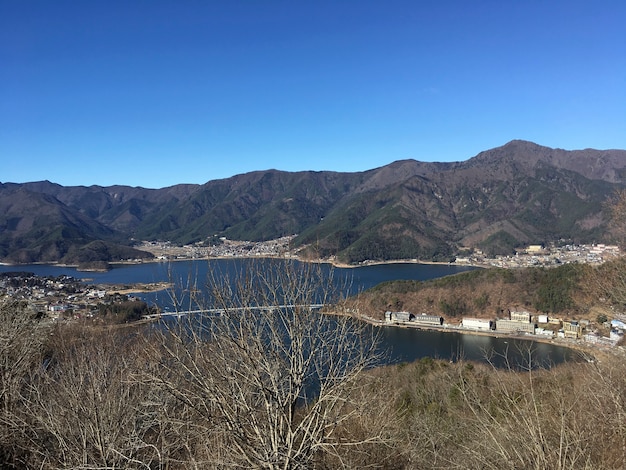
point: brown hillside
(566, 292)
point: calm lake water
(361, 278)
(403, 345)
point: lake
(402, 344)
(361, 278)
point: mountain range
(517, 194)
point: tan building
(572, 329)
(511, 326)
(520, 315)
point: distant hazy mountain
(512, 195)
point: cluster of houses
(522, 321)
(59, 296)
(616, 334)
(552, 255)
(223, 248)
(518, 322)
(408, 317)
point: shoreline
(582, 347)
(333, 263)
(597, 352)
(139, 288)
(588, 352)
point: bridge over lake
(221, 311)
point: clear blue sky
(155, 93)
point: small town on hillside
(532, 255)
(553, 255)
(64, 298)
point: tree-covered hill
(573, 291)
(514, 195)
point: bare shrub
(269, 381)
(86, 409)
(22, 345)
(475, 416)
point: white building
(424, 318)
(477, 324)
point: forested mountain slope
(509, 196)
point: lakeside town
(532, 255)
(523, 324)
(65, 298)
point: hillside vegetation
(109, 399)
(514, 195)
(573, 291)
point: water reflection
(407, 345)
